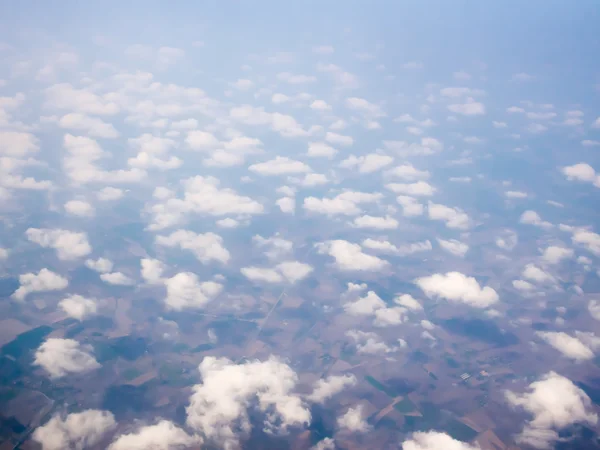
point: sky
(233, 130)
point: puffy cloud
(568, 345)
(365, 306)
(80, 163)
(534, 273)
(410, 206)
(69, 245)
(275, 246)
(353, 421)
(350, 257)
(342, 78)
(60, 357)
(338, 139)
(555, 403)
(65, 96)
(281, 165)
(311, 180)
(45, 280)
(433, 440)
(403, 250)
(377, 223)
(368, 163)
(201, 140)
(453, 217)
(508, 241)
(321, 150)
(587, 239)
(420, 188)
(532, 218)
(325, 444)
(290, 271)
(17, 144)
(185, 291)
(408, 301)
(320, 105)
(287, 205)
(219, 406)
(202, 195)
(109, 194)
(555, 254)
(100, 265)
(523, 286)
(582, 172)
(3, 254)
(164, 435)
(469, 108)
(283, 124)
(152, 270)
(365, 107)
(345, 203)
(454, 247)
(369, 342)
(93, 126)
(78, 307)
(206, 247)
(594, 309)
(515, 194)
(76, 431)
(326, 388)
(408, 172)
(427, 146)
(457, 287)
(117, 279)
(79, 208)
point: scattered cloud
(457, 287)
(350, 257)
(61, 357)
(43, 281)
(69, 245)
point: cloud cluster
(60, 357)
(184, 290)
(69, 245)
(78, 306)
(554, 403)
(206, 247)
(347, 203)
(43, 281)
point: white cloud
(310, 180)
(228, 223)
(457, 287)
(532, 218)
(76, 431)
(326, 388)
(219, 406)
(79, 208)
(508, 241)
(281, 165)
(554, 254)
(365, 107)
(364, 306)
(274, 247)
(345, 203)
(43, 281)
(453, 217)
(368, 163)
(321, 150)
(594, 309)
(320, 105)
(469, 108)
(65, 96)
(92, 126)
(588, 240)
(523, 286)
(243, 84)
(338, 139)
(78, 307)
(342, 78)
(515, 194)
(201, 140)
(100, 265)
(325, 444)
(353, 421)
(164, 435)
(427, 146)
(536, 128)
(185, 291)
(534, 273)
(408, 301)
(369, 342)
(152, 270)
(554, 403)
(109, 194)
(350, 257)
(568, 345)
(206, 247)
(290, 271)
(419, 188)
(376, 223)
(582, 172)
(410, 206)
(283, 124)
(433, 440)
(454, 247)
(202, 195)
(60, 357)
(69, 245)
(3, 254)
(117, 279)
(409, 173)
(403, 250)
(287, 205)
